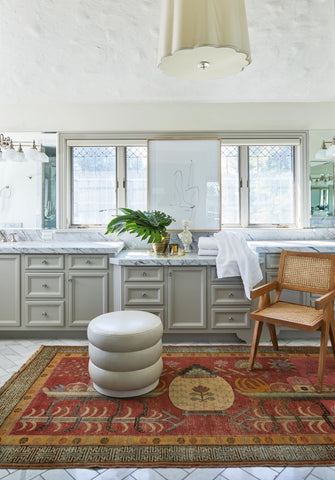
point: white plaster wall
(168, 116)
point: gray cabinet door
(186, 298)
(87, 296)
(10, 296)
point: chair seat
(291, 315)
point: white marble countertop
(108, 248)
(142, 257)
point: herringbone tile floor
(14, 353)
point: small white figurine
(186, 236)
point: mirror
(321, 182)
(28, 188)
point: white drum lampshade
(203, 39)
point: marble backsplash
(131, 242)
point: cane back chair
(306, 272)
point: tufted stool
(125, 352)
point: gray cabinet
(87, 296)
(10, 291)
(186, 298)
(228, 308)
(63, 291)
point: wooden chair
(306, 272)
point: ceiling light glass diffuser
(202, 39)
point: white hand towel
(235, 258)
(212, 253)
(207, 243)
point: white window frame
(65, 171)
(121, 140)
(299, 140)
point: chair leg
(255, 342)
(273, 335)
(332, 336)
(322, 355)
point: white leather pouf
(125, 352)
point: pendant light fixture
(203, 39)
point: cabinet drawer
(43, 262)
(143, 294)
(81, 262)
(44, 285)
(214, 277)
(226, 294)
(143, 274)
(44, 314)
(272, 260)
(230, 318)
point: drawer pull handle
(88, 262)
(144, 294)
(144, 274)
(44, 314)
(231, 295)
(45, 262)
(230, 319)
(44, 285)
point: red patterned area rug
(208, 410)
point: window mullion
(121, 177)
(244, 186)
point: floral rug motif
(208, 410)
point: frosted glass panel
(271, 184)
(93, 185)
(230, 210)
(137, 177)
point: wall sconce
(326, 153)
(8, 152)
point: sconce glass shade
(9, 154)
(20, 156)
(43, 157)
(322, 153)
(331, 150)
(32, 153)
(201, 39)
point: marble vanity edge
(142, 257)
(91, 248)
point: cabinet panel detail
(186, 298)
(230, 318)
(272, 260)
(87, 262)
(10, 291)
(223, 295)
(135, 294)
(44, 285)
(87, 297)
(43, 262)
(160, 312)
(44, 314)
(143, 274)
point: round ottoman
(125, 352)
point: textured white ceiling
(105, 51)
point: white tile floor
(13, 353)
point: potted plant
(150, 226)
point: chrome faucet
(3, 236)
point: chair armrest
(257, 292)
(324, 300)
